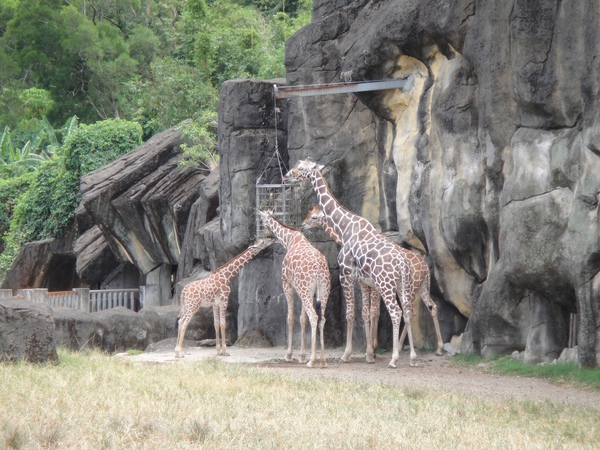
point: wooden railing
(83, 299)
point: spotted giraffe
(420, 275)
(305, 270)
(376, 257)
(371, 300)
(214, 291)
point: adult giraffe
(420, 274)
(305, 270)
(214, 291)
(370, 304)
(376, 258)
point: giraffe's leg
(321, 328)
(223, 324)
(424, 294)
(217, 328)
(389, 298)
(408, 327)
(183, 322)
(366, 316)
(348, 289)
(289, 295)
(375, 311)
(323, 296)
(303, 320)
(314, 319)
(402, 338)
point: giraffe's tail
(318, 308)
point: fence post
(84, 299)
(4, 293)
(37, 295)
(142, 296)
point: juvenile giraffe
(305, 270)
(420, 275)
(214, 291)
(375, 256)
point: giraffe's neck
(324, 223)
(284, 234)
(338, 216)
(231, 269)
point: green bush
(90, 147)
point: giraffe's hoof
(413, 364)
(178, 355)
(287, 358)
(309, 364)
(392, 365)
(323, 365)
(302, 360)
(370, 360)
(224, 354)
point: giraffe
(420, 274)
(367, 251)
(214, 291)
(305, 270)
(316, 219)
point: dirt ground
(432, 372)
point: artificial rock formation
(138, 207)
(489, 160)
(26, 332)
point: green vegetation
(555, 373)
(84, 81)
(92, 400)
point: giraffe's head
(314, 219)
(301, 171)
(265, 216)
(262, 243)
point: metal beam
(340, 88)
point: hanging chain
(280, 162)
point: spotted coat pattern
(214, 291)
(305, 270)
(375, 256)
(420, 275)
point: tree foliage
(115, 72)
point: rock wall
(489, 161)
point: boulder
(76, 330)
(26, 332)
(127, 330)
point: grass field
(94, 401)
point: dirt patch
(433, 372)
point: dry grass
(93, 401)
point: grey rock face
(26, 332)
(126, 329)
(489, 161)
(141, 203)
(76, 330)
(48, 263)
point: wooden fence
(83, 299)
